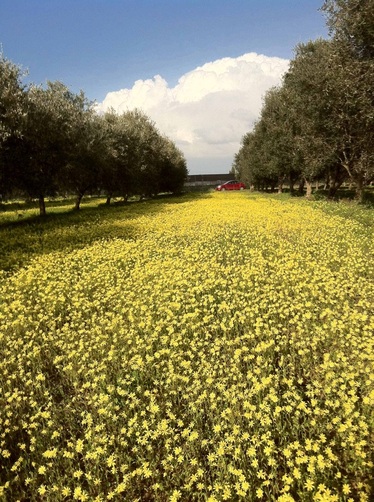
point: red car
(231, 185)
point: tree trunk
(332, 191)
(301, 186)
(308, 189)
(359, 192)
(280, 184)
(78, 200)
(42, 211)
(334, 187)
(292, 180)
(335, 178)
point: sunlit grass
(24, 235)
(215, 347)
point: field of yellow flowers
(215, 348)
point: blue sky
(104, 46)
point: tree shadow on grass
(348, 196)
(23, 239)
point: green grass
(25, 235)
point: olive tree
(12, 111)
(351, 28)
(86, 150)
(45, 143)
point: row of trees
(319, 124)
(52, 142)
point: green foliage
(12, 95)
(351, 23)
(12, 109)
(53, 142)
(319, 125)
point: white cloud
(210, 108)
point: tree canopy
(319, 123)
(52, 141)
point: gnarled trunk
(78, 200)
(308, 189)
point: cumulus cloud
(209, 109)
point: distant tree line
(52, 141)
(318, 125)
